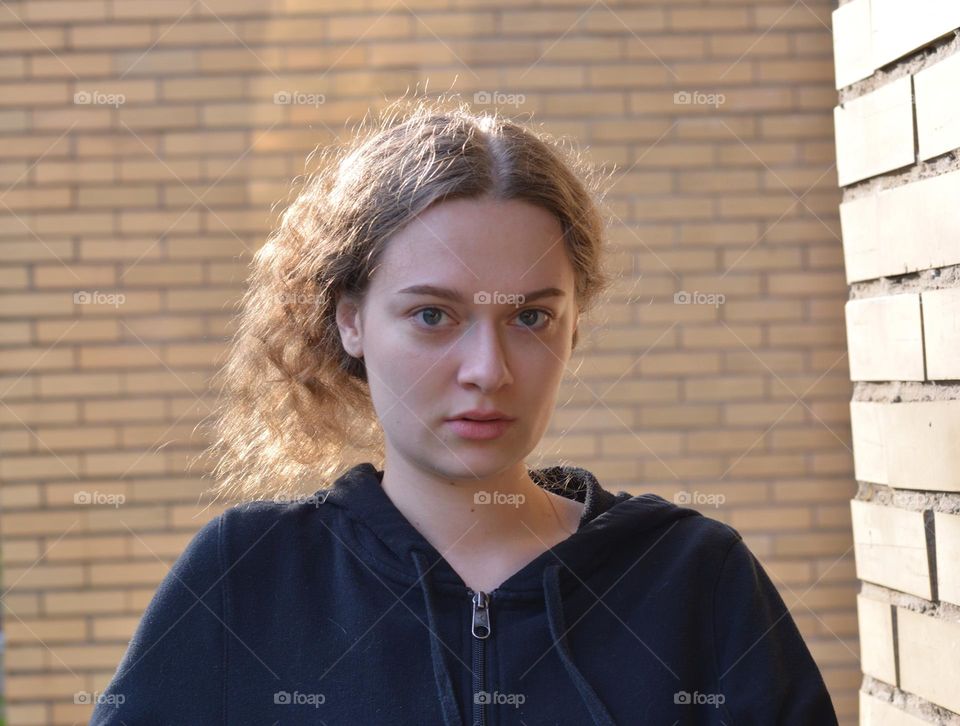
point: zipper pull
(481, 615)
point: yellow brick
(76, 276)
(112, 197)
(73, 171)
(40, 40)
(18, 552)
(709, 20)
(162, 222)
(83, 549)
(134, 573)
(118, 356)
(85, 602)
(113, 35)
(67, 331)
(209, 88)
(39, 304)
(68, 65)
(41, 576)
(79, 384)
(427, 52)
(125, 463)
(369, 27)
(152, 274)
(49, 464)
(49, 630)
(37, 687)
(114, 628)
(453, 24)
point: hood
(403, 553)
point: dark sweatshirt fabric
(334, 609)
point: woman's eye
(433, 312)
(431, 317)
(547, 317)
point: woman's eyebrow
(455, 296)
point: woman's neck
(486, 529)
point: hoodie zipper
(480, 628)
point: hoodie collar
(607, 518)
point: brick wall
(897, 127)
(143, 144)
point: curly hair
(294, 407)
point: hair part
(294, 407)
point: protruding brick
(875, 628)
(874, 133)
(890, 547)
(928, 657)
(852, 42)
(947, 529)
(910, 445)
(884, 339)
(941, 333)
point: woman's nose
(483, 358)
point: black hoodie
(334, 609)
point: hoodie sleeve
(766, 673)
(173, 669)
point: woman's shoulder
(243, 523)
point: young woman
(422, 294)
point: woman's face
(430, 358)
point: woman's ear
(349, 324)
(576, 328)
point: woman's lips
(478, 430)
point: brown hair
(293, 401)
